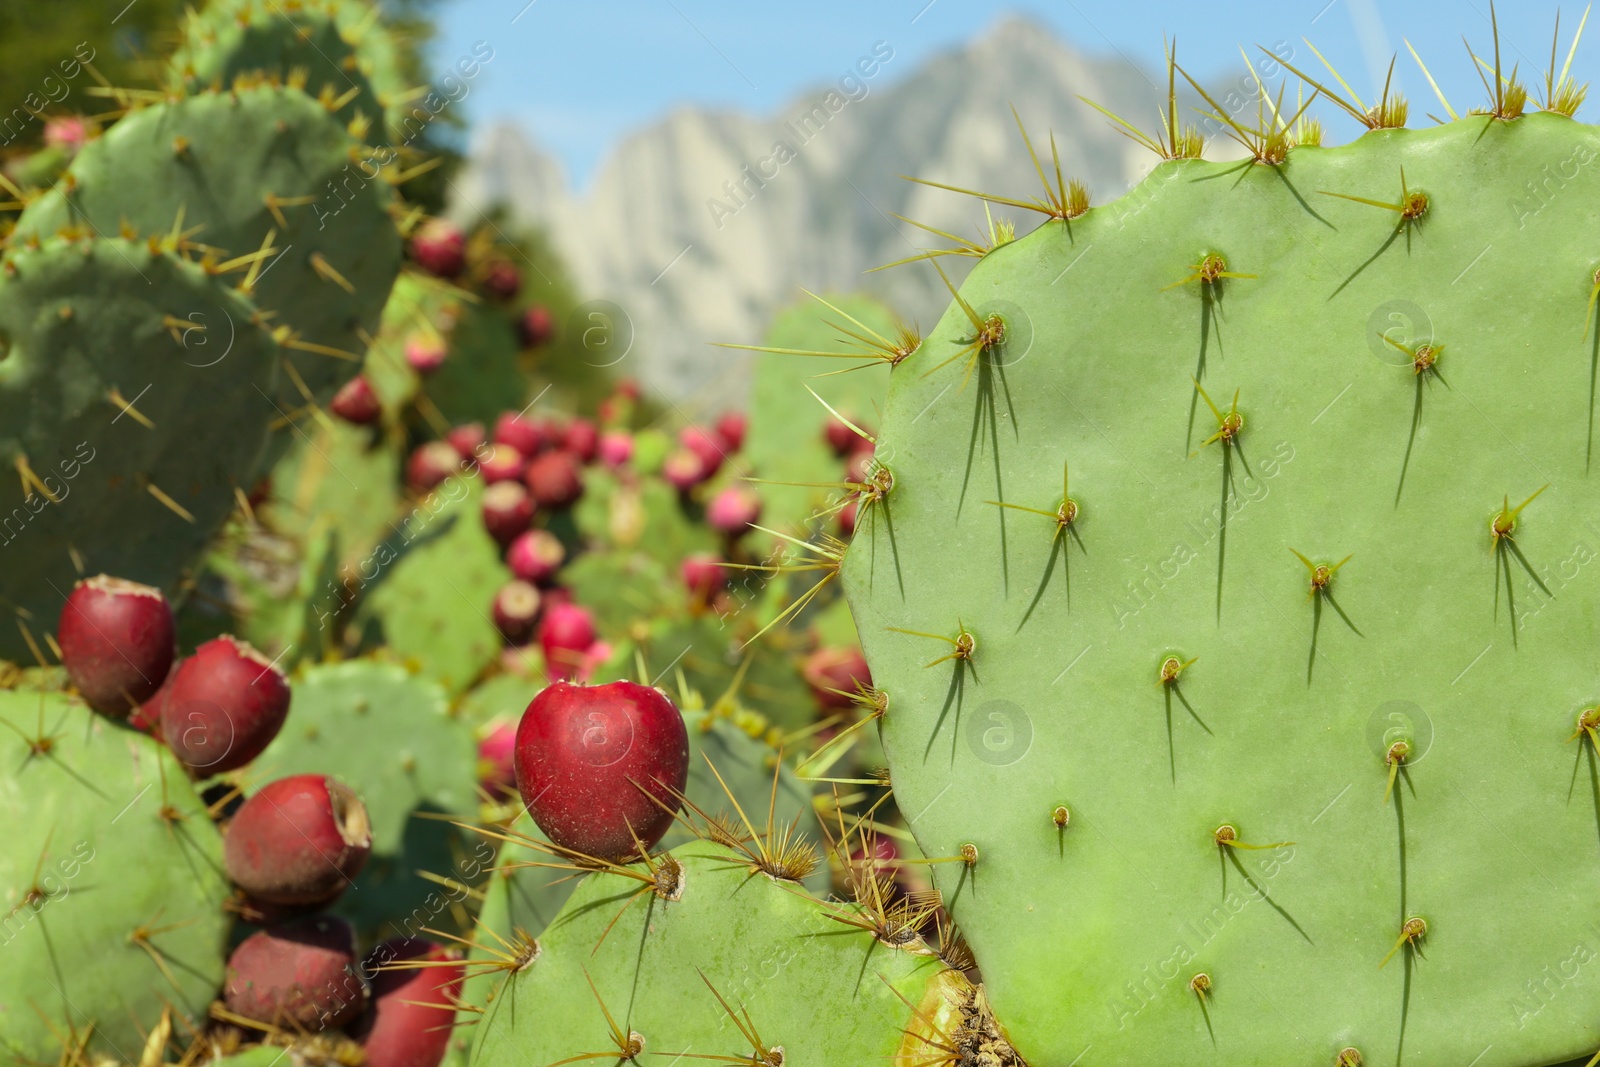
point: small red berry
(535, 556)
(555, 479)
(409, 1021)
(117, 642)
(834, 671)
(300, 975)
(431, 464)
(516, 611)
(298, 840)
(522, 434)
(591, 758)
(538, 326)
(507, 511)
(439, 247)
(226, 703)
(734, 510)
(356, 402)
(567, 633)
(731, 429)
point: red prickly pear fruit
(356, 402)
(430, 465)
(841, 438)
(466, 439)
(522, 434)
(568, 632)
(535, 556)
(439, 247)
(66, 132)
(147, 716)
(684, 470)
(734, 510)
(538, 326)
(589, 760)
(705, 446)
(226, 703)
(117, 642)
(497, 771)
(704, 577)
(847, 518)
(298, 840)
(507, 511)
(555, 479)
(409, 1019)
(731, 428)
(501, 463)
(833, 675)
(516, 611)
(582, 439)
(300, 975)
(502, 280)
(616, 448)
(425, 354)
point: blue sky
(579, 74)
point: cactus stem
(1412, 931)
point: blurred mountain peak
(704, 223)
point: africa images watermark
(852, 87)
(52, 90)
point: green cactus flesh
(788, 972)
(111, 394)
(785, 441)
(114, 893)
(229, 169)
(389, 736)
(302, 45)
(431, 586)
(1451, 629)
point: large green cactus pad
(130, 376)
(824, 992)
(229, 168)
(112, 875)
(1435, 633)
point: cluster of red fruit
(291, 848)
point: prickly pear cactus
(736, 966)
(111, 401)
(226, 42)
(435, 577)
(785, 441)
(389, 736)
(114, 894)
(1263, 748)
(228, 170)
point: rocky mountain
(700, 227)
